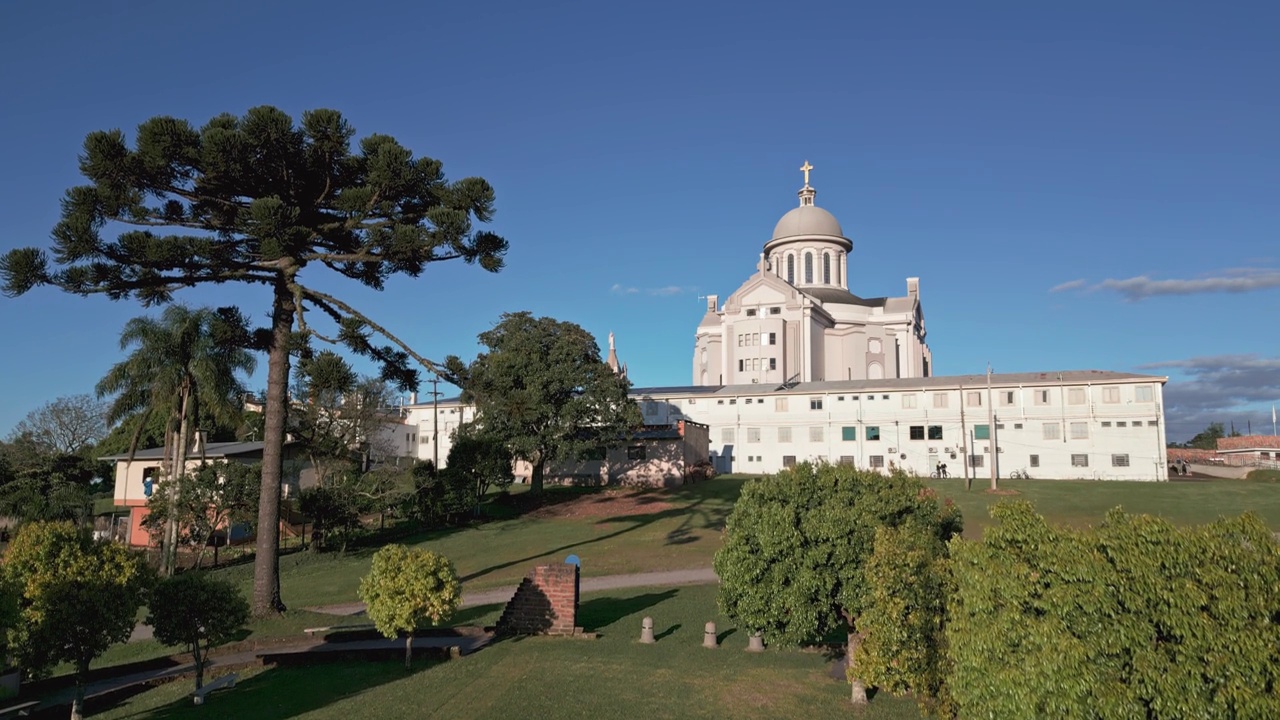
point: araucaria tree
(797, 545)
(408, 589)
(542, 389)
(256, 200)
(77, 597)
(197, 612)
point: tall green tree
(77, 598)
(1208, 438)
(797, 544)
(342, 419)
(183, 365)
(542, 389)
(38, 483)
(255, 201)
(212, 497)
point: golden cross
(805, 169)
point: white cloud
(1069, 285)
(663, 291)
(619, 289)
(1141, 287)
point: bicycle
(1019, 475)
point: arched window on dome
(791, 269)
(808, 268)
(826, 268)
(839, 262)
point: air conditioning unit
(933, 450)
(893, 450)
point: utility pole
(435, 420)
(991, 431)
(966, 448)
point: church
(795, 320)
(795, 367)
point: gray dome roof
(807, 220)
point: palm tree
(184, 366)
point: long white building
(794, 367)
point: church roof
(840, 296)
(807, 220)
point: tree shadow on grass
(601, 612)
(277, 692)
(668, 632)
(724, 635)
(476, 613)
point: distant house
(1256, 450)
(136, 476)
(657, 456)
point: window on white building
(773, 338)
(1006, 397)
(751, 312)
(916, 432)
(784, 434)
(1121, 423)
(1035, 461)
(791, 269)
(939, 400)
(726, 435)
(973, 399)
(877, 461)
(873, 432)
(1041, 397)
(1079, 431)
(815, 403)
(788, 461)
(1142, 393)
(1106, 423)
(975, 461)
(935, 432)
(808, 268)
(1075, 396)
(815, 433)
(909, 402)
(1052, 431)
(753, 435)
(1120, 460)
(826, 268)
(773, 363)
(1111, 394)
(780, 404)
(1080, 460)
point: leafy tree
(212, 497)
(342, 418)
(440, 496)
(255, 200)
(78, 598)
(797, 545)
(543, 390)
(197, 611)
(334, 513)
(904, 648)
(37, 483)
(481, 461)
(1136, 618)
(66, 426)
(1207, 439)
(407, 589)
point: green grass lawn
(550, 678)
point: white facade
(796, 321)
(1080, 424)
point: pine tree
(255, 200)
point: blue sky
(1087, 185)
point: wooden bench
(226, 681)
(20, 710)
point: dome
(807, 220)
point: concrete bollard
(755, 643)
(646, 631)
(709, 636)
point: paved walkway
(665, 578)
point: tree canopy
(261, 201)
(65, 426)
(407, 589)
(542, 389)
(797, 544)
(77, 597)
(1136, 618)
(196, 611)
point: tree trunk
(266, 563)
(199, 663)
(535, 481)
(169, 565)
(857, 689)
(77, 701)
(408, 652)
